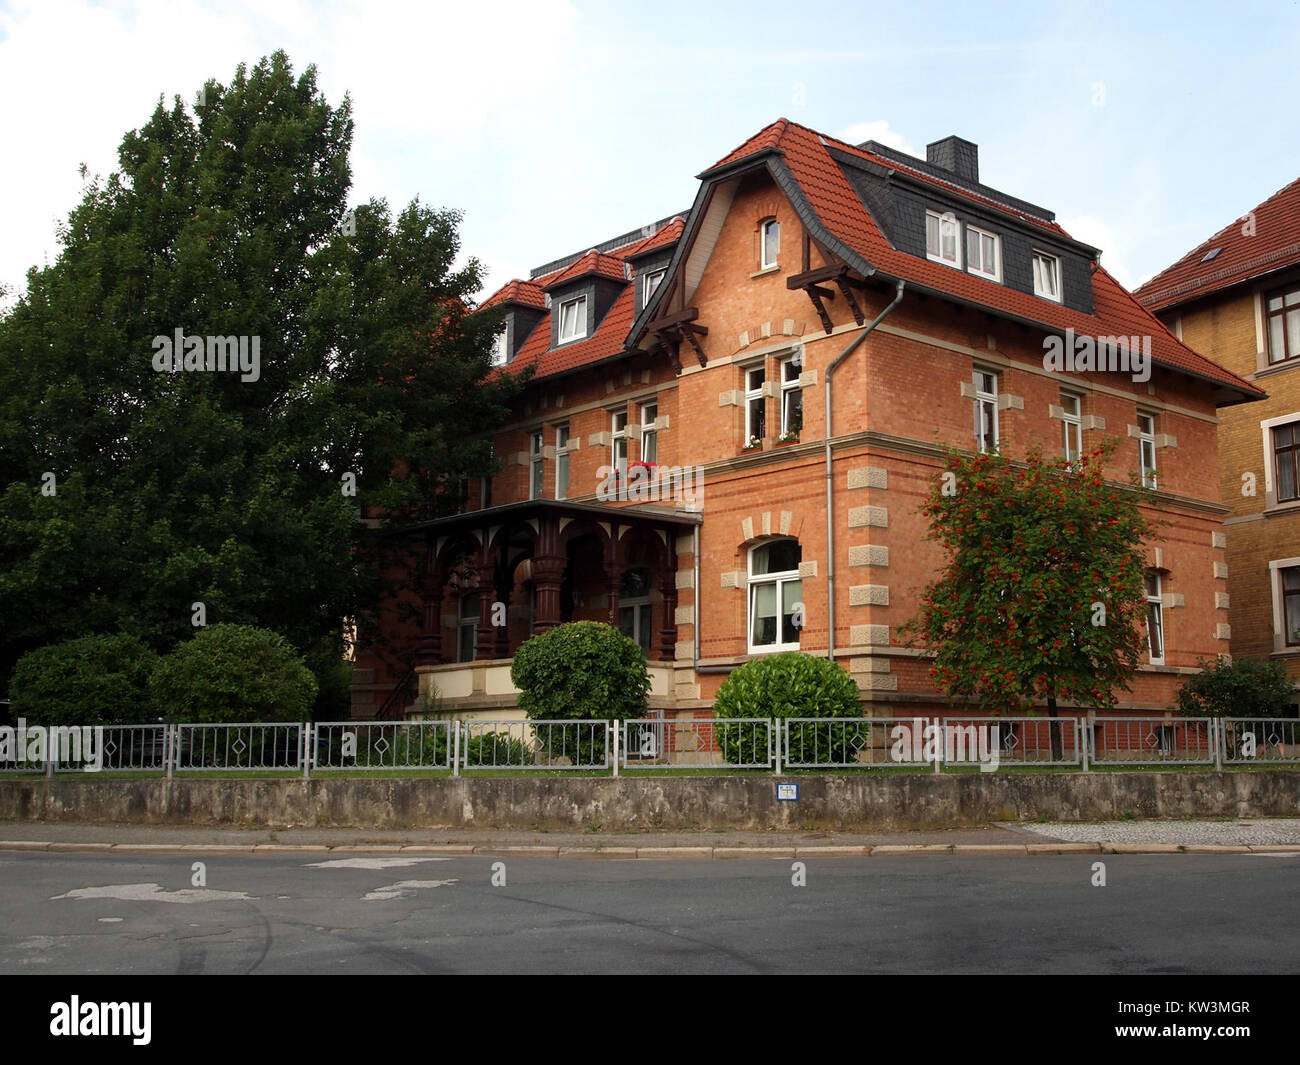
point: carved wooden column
(548, 574)
(668, 589)
(428, 648)
(485, 641)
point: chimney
(954, 154)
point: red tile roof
(806, 154)
(593, 262)
(526, 292)
(1116, 312)
(1248, 248)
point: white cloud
(878, 131)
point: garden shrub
(94, 680)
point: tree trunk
(1058, 752)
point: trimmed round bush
(790, 684)
(584, 670)
(233, 673)
(94, 680)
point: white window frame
(781, 580)
(941, 219)
(755, 401)
(650, 282)
(1047, 267)
(979, 271)
(462, 623)
(649, 433)
(642, 611)
(618, 439)
(769, 225)
(1072, 424)
(536, 446)
(986, 404)
(790, 393)
(499, 347)
(1157, 601)
(562, 452)
(1275, 568)
(1147, 443)
(578, 322)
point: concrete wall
(858, 802)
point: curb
(883, 850)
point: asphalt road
(311, 913)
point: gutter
(830, 503)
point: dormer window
(942, 243)
(983, 254)
(573, 319)
(649, 283)
(499, 349)
(1047, 276)
(771, 234)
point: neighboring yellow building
(1236, 299)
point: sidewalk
(1257, 835)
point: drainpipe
(830, 507)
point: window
(467, 627)
(649, 283)
(791, 398)
(941, 239)
(1155, 620)
(618, 439)
(634, 607)
(649, 436)
(1286, 461)
(755, 426)
(774, 591)
(1073, 426)
(573, 319)
(771, 240)
(1282, 313)
(562, 461)
(499, 349)
(986, 410)
(983, 255)
(1289, 578)
(535, 465)
(1147, 448)
(1047, 276)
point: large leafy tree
(128, 494)
(1042, 596)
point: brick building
(811, 279)
(1236, 297)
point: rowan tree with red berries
(1042, 598)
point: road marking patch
(152, 893)
(402, 889)
(371, 863)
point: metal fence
(694, 742)
(658, 743)
(379, 745)
(1148, 740)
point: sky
(557, 124)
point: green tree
(790, 684)
(1042, 596)
(233, 673)
(129, 494)
(586, 671)
(1244, 688)
(93, 680)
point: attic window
(1047, 276)
(573, 319)
(499, 349)
(942, 241)
(1211, 254)
(649, 283)
(771, 230)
